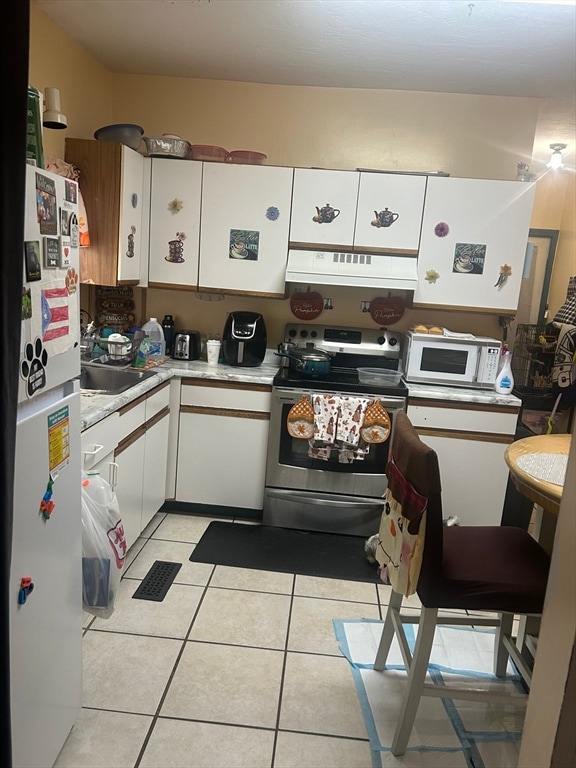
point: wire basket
(532, 360)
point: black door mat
(157, 581)
(267, 548)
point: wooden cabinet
(357, 211)
(474, 231)
(223, 440)
(244, 235)
(470, 440)
(112, 181)
(175, 200)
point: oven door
(316, 494)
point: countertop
(96, 406)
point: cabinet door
(130, 459)
(155, 466)
(389, 212)
(476, 493)
(222, 459)
(472, 231)
(130, 233)
(324, 207)
(245, 221)
(174, 223)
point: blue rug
(447, 733)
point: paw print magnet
(33, 367)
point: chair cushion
(491, 568)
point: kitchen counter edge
(96, 406)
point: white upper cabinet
(361, 211)
(245, 224)
(473, 243)
(175, 201)
(324, 207)
(132, 218)
(389, 212)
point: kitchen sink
(111, 381)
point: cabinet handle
(97, 449)
(113, 474)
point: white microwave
(453, 361)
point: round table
(545, 494)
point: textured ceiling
(505, 48)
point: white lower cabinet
(470, 441)
(136, 440)
(155, 466)
(130, 459)
(223, 440)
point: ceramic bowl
(124, 133)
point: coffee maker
(244, 339)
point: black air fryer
(244, 339)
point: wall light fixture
(556, 159)
(53, 116)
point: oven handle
(288, 396)
(299, 497)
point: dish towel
(351, 418)
(325, 417)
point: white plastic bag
(103, 546)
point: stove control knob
(393, 341)
(381, 340)
(292, 332)
(304, 334)
(313, 334)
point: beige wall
(470, 136)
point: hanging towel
(352, 410)
(325, 417)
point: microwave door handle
(477, 371)
(297, 498)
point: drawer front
(157, 400)
(99, 440)
(463, 420)
(132, 416)
(247, 397)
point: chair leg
(416, 679)
(501, 653)
(387, 632)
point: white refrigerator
(46, 570)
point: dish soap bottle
(157, 346)
(505, 380)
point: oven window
(294, 452)
(444, 360)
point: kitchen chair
(502, 570)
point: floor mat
(447, 733)
(157, 582)
(268, 548)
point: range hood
(362, 270)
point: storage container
(380, 376)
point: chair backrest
(418, 463)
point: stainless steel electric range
(328, 494)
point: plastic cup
(213, 351)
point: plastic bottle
(154, 331)
(505, 380)
(168, 328)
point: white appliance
(461, 360)
(363, 270)
(46, 570)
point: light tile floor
(235, 668)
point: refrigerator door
(46, 623)
(49, 347)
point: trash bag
(103, 546)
